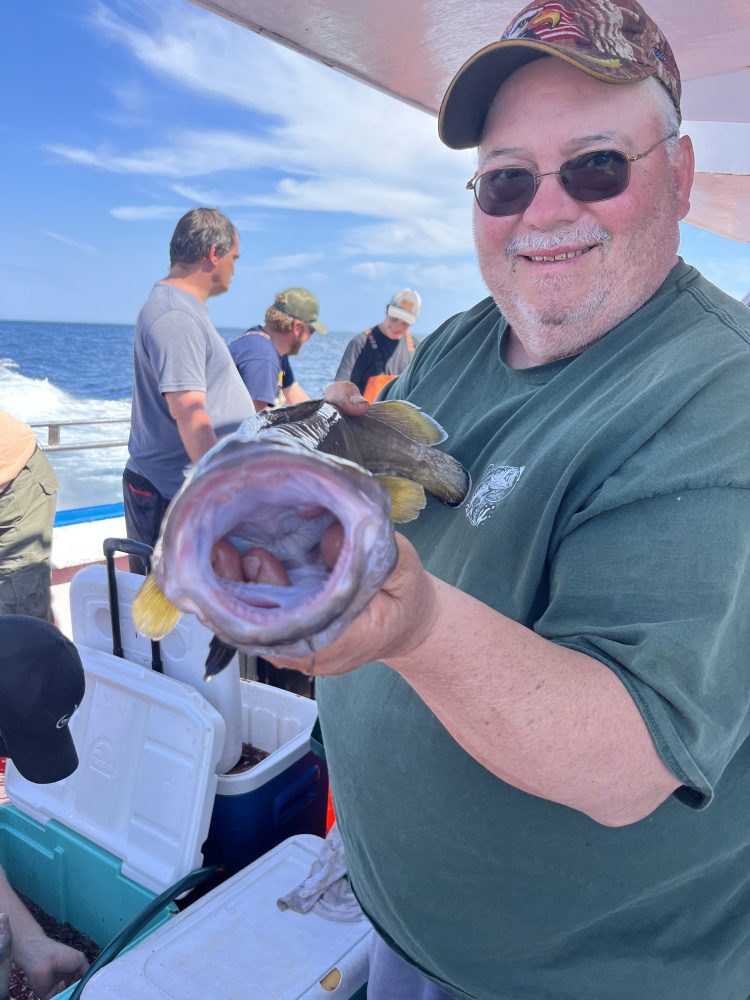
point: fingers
(347, 397)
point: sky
(119, 116)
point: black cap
(41, 685)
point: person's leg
(393, 978)
(27, 514)
(144, 511)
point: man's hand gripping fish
(244, 543)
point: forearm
(548, 720)
(197, 434)
(23, 926)
(188, 410)
(295, 393)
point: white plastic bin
(235, 944)
(183, 651)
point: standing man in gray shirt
(187, 391)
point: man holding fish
(537, 729)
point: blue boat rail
(53, 434)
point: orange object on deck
(330, 814)
(374, 384)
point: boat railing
(54, 427)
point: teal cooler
(95, 849)
(71, 878)
(284, 795)
(235, 943)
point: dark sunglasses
(595, 176)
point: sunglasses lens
(596, 176)
(505, 192)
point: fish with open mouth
(268, 494)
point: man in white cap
(374, 358)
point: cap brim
(472, 90)
(42, 761)
(402, 314)
(319, 328)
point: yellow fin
(154, 614)
(408, 419)
(407, 498)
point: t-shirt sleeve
(658, 589)
(178, 348)
(257, 366)
(346, 365)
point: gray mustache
(530, 242)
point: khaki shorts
(27, 512)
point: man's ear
(683, 165)
(212, 256)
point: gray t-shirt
(610, 513)
(176, 349)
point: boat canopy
(411, 51)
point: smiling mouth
(550, 259)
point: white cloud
(292, 261)
(146, 213)
(423, 235)
(313, 139)
(463, 278)
(70, 242)
(374, 270)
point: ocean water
(84, 371)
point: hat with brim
(41, 684)
(301, 304)
(615, 42)
(405, 305)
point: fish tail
(443, 476)
(154, 615)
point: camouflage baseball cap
(613, 40)
(301, 304)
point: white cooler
(235, 944)
(183, 651)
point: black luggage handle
(143, 552)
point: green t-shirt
(610, 513)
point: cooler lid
(235, 943)
(183, 651)
(146, 780)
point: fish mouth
(276, 502)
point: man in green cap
(262, 352)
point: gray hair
(671, 118)
(196, 232)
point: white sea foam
(87, 476)
(103, 359)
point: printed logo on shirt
(494, 486)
